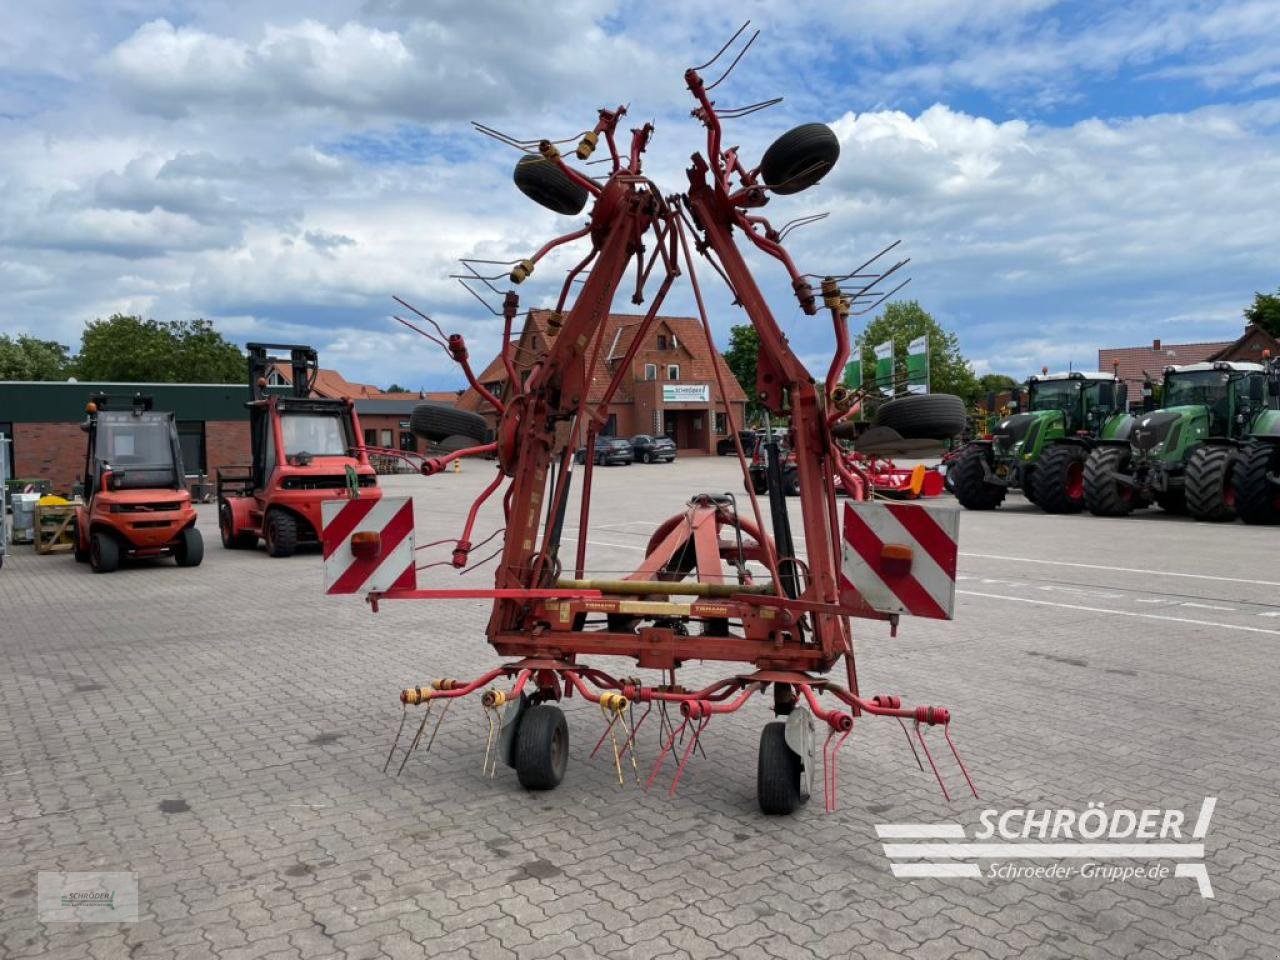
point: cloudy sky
(1064, 176)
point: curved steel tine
(741, 54)
(799, 222)
(728, 43)
(404, 715)
(483, 301)
(734, 113)
(417, 738)
(858, 269)
(863, 311)
(409, 306)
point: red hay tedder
(717, 583)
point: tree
(130, 349)
(28, 358)
(741, 357)
(989, 383)
(904, 321)
(1265, 312)
(396, 388)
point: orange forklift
(136, 502)
(306, 450)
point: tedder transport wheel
(1210, 493)
(281, 534)
(545, 183)
(435, 422)
(925, 416)
(104, 552)
(778, 771)
(542, 747)
(244, 540)
(1103, 494)
(1257, 496)
(968, 475)
(189, 550)
(1058, 481)
(799, 158)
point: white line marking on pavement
(604, 543)
(1095, 566)
(1205, 606)
(1030, 851)
(1120, 613)
(920, 831)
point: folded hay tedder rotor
(716, 584)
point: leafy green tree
(904, 321)
(741, 357)
(1265, 312)
(130, 349)
(396, 388)
(28, 358)
(988, 383)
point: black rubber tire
(457, 441)
(1174, 502)
(244, 540)
(542, 747)
(799, 158)
(1211, 496)
(281, 533)
(759, 482)
(436, 422)
(104, 552)
(645, 458)
(1103, 496)
(923, 416)
(778, 772)
(189, 550)
(969, 478)
(546, 184)
(790, 482)
(1257, 499)
(1059, 478)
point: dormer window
(662, 341)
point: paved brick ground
(220, 732)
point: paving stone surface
(220, 733)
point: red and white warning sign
(901, 557)
(368, 545)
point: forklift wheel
(542, 747)
(244, 540)
(778, 772)
(281, 534)
(104, 553)
(189, 550)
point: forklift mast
(303, 361)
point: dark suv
(649, 449)
(608, 450)
(749, 439)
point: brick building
(1133, 361)
(671, 388)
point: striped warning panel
(368, 564)
(901, 557)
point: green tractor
(1212, 449)
(1043, 450)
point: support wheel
(281, 534)
(189, 550)
(542, 747)
(244, 540)
(1257, 497)
(1058, 481)
(1104, 495)
(104, 553)
(1210, 493)
(777, 772)
(969, 477)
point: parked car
(608, 451)
(748, 438)
(649, 449)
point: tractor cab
(305, 450)
(1084, 398)
(135, 498)
(1229, 394)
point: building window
(388, 439)
(370, 437)
(651, 371)
(662, 341)
(408, 441)
(276, 379)
(674, 342)
(673, 371)
(721, 425)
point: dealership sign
(686, 393)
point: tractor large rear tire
(778, 772)
(436, 422)
(542, 747)
(281, 533)
(1058, 480)
(1103, 494)
(546, 184)
(799, 158)
(925, 416)
(1210, 493)
(1257, 498)
(969, 474)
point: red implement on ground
(306, 451)
(722, 581)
